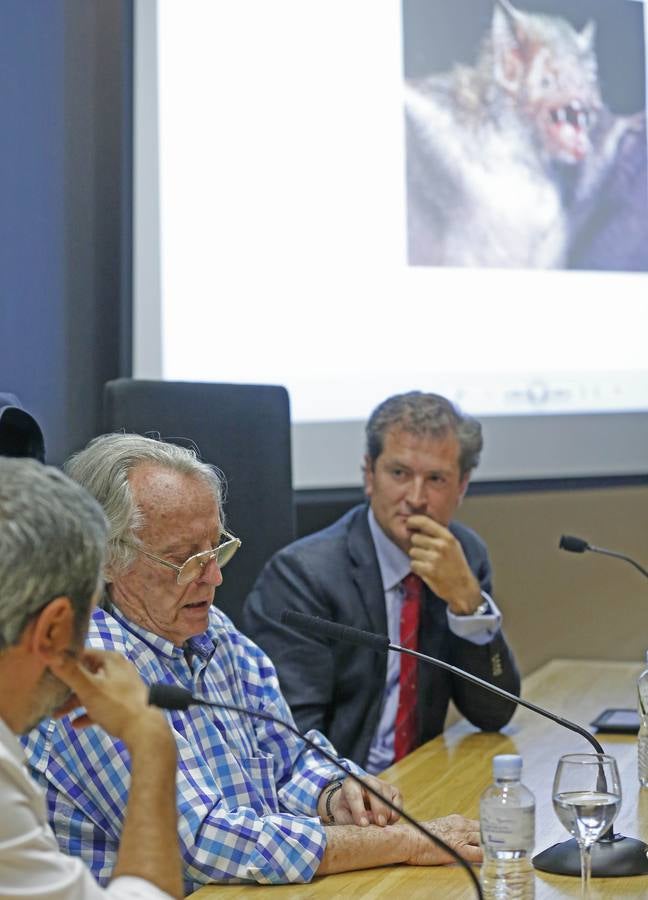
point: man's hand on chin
(438, 558)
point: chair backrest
(244, 429)
(20, 433)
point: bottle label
(508, 829)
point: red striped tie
(405, 731)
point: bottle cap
(507, 765)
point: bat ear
(587, 36)
(507, 36)
(507, 8)
(508, 21)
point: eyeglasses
(193, 567)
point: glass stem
(586, 870)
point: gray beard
(50, 694)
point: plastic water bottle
(507, 822)
(642, 708)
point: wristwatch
(331, 789)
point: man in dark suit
(420, 452)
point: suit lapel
(366, 573)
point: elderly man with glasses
(255, 803)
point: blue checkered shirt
(247, 789)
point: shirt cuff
(477, 629)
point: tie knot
(412, 585)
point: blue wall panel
(32, 211)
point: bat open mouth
(573, 114)
(568, 129)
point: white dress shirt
(31, 865)
(394, 566)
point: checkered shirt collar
(201, 644)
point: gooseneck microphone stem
(577, 545)
(381, 643)
(628, 559)
(167, 696)
(502, 693)
(601, 780)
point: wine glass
(587, 800)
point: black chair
(244, 429)
(20, 433)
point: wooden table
(449, 773)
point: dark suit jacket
(337, 688)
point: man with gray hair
(52, 545)
(255, 803)
(397, 565)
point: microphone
(381, 642)
(573, 544)
(173, 697)
(613, 854)
(578, 545)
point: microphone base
(617, 858)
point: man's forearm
(149, 843)
(350, 847)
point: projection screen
(354, 199)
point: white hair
(103, 468)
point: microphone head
(169, 696)
(333, 630)
(573, 544)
